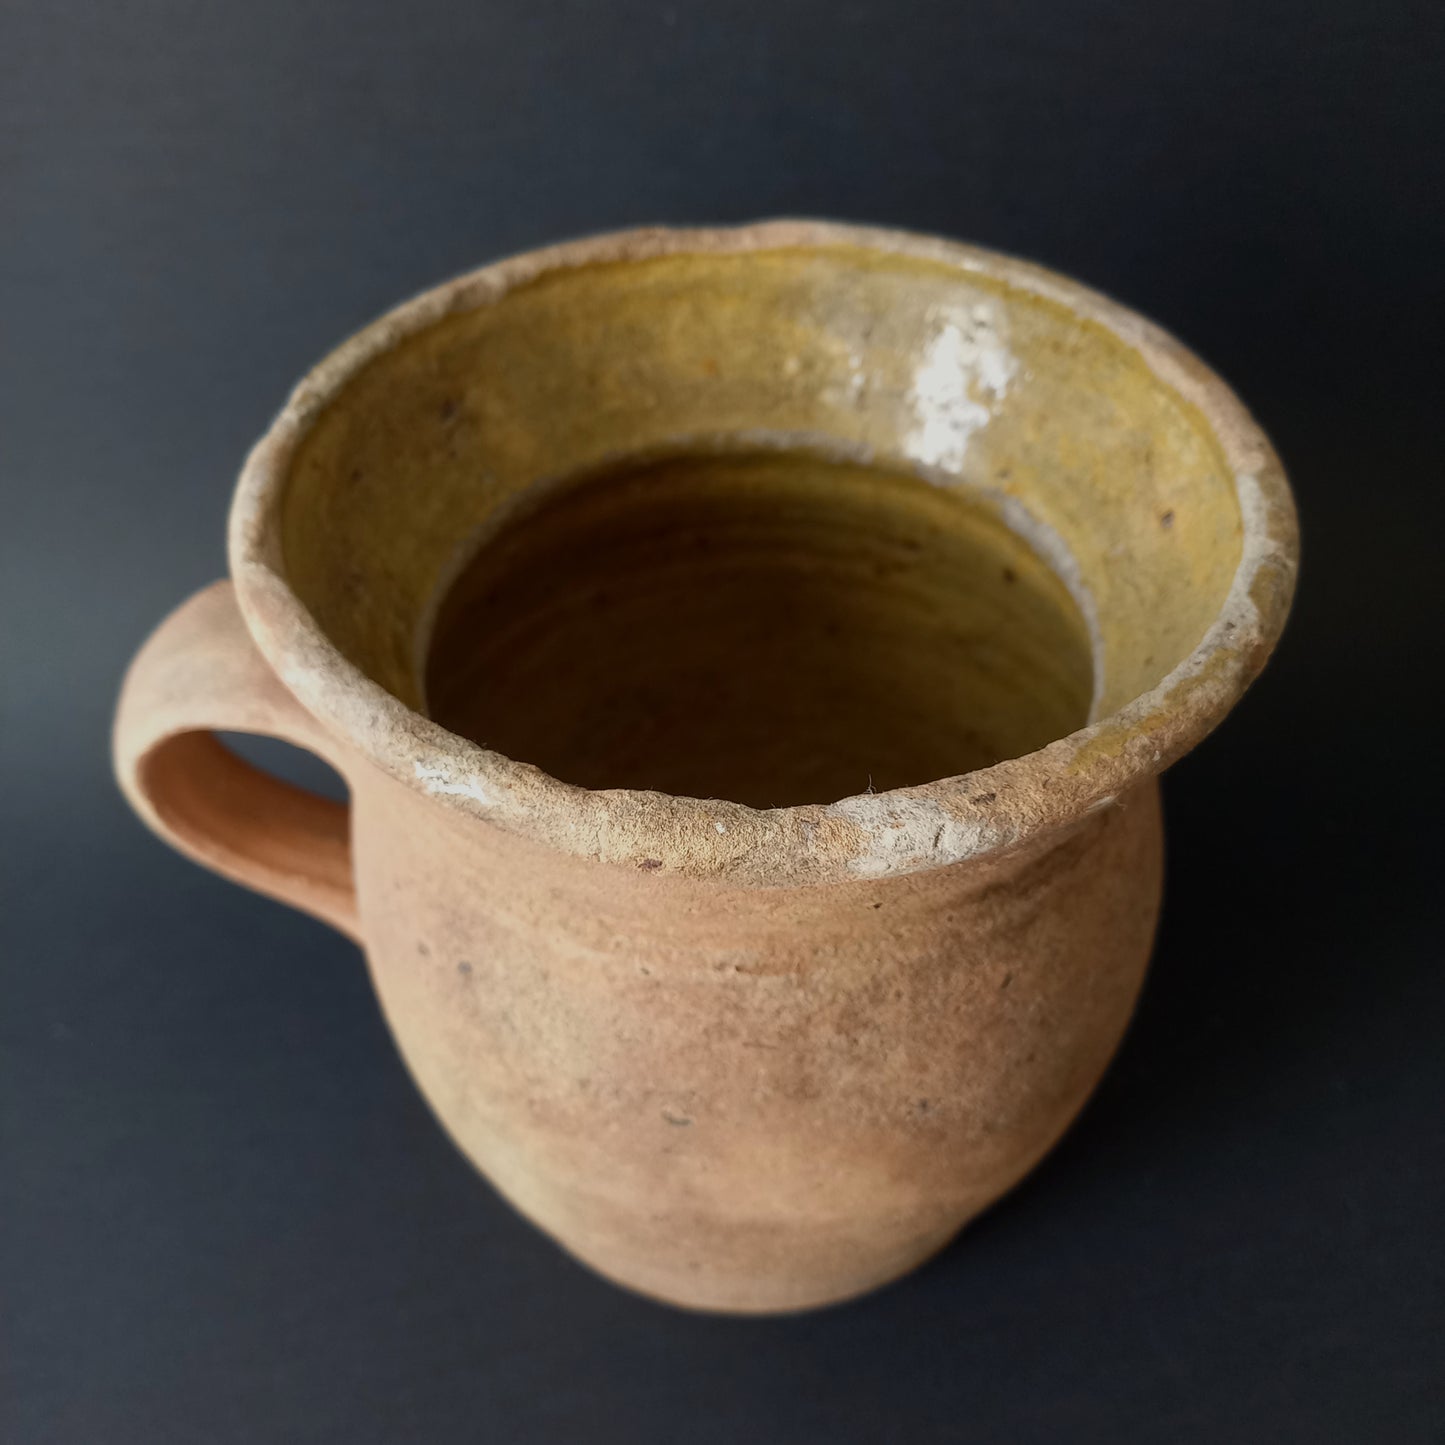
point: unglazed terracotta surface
(851, 589)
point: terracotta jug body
(751, 655)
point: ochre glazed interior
(770, 627)
(776, 526)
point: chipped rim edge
(868, 836)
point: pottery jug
(751, 655)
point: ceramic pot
(807, 877)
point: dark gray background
(226, 1214)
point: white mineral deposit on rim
(901, 832)
(964, 366)
(440, 781)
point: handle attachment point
(199, 673)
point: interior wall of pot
(949, 419)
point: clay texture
(738, 1057)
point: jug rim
(869, 836)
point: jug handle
(200, 671)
